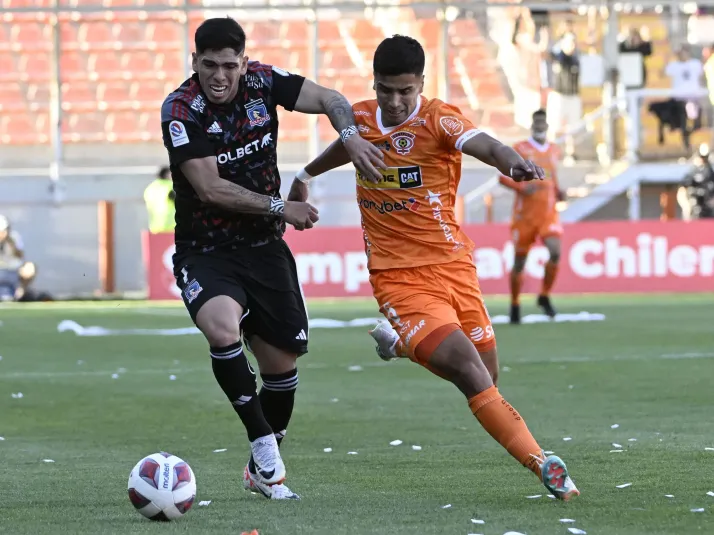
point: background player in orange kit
(420, 262)
(534, 214)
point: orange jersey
(541, 204)
(408, 217)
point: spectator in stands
(15, 273)
(564, 103)
(687, 74)
(696, 194)
(638, 41)
(159, 197)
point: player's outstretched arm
(331, 158)
(202, 173)
(492, 152)
(314, 98)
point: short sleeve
(183, 134)
(453, 128)
(286, 88)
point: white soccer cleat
(252, 482)
(557, 480)
(386, 339)
(269, 464)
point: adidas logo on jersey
(301, 335)
(215, 128)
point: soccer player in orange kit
(420, 262)
(534, 215)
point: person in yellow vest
(159, 198)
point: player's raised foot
(547, 307)
(515, 314)
(386, 339)
(253, 483)
(557, 480)
(269, 464)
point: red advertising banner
(596, 257)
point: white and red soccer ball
(162, 486)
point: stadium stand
(116, 68)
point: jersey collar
(538, 146)
(387, 129)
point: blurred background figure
(687, 76)
(15, 273)
(159, 198)
(565, 106)
(696, 194)
(638, 41)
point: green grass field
(649, 367)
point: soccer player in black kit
(236, 274)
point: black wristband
(277, 206)
(348, 133)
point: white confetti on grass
(550, 496)
(477, 521)
(548, 452)
(505, 369)
(447, 506)
(416, 448)
(669, 495)
(616, 451)
(115, 376)
(614, 426)
(577, 531)
(172, 377)
(567, 520)
(327, 450)
(17, 396)
(616, 445)
(710, 493)
(351, 453)
(567, 439)
(204, 503)
(699, 510)
(534, 496)
(355, 368)
(708, 449)
(48, 460)
(2, 438)
(395, 442)
(631, 440)
(514, 533)
(221, 450)
(334, 400)
(624, 485)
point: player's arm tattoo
(202, 173)
(339, 111)
(318, 99)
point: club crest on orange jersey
(403, 141)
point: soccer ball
(162, 486)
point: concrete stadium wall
(63, 240)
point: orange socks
(516, 283)
(505, 425)
(551, 271)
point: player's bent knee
(219, 321)
(490, 360)
(272, 360)
(457, 358)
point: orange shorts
(426, 304)
(525, 233)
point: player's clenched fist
(367, 158)
(300, 215)
(526, 170)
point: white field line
(322, 366)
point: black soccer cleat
(515, 314)
(545, 304)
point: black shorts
(263, 280)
